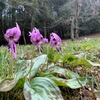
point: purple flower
(37, 39)
(12, 35)
(55, 41)
(45, 40)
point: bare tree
(76, 19)
(72, 28)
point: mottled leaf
(73, 83)
(62, 71)
(58, 81)
(38, 61)
(41, 88)
(7, 84)
(23, 68)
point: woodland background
(68, 18)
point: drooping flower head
(55, 41)
(12, 35)
(37, 39)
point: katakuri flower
(37, 39)
(55, 41)
(45, 40)
(12, 35)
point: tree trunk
(24, 37)
(76, 20)
(60, 31)
(32, 20)
(72, 28)
(77, 30)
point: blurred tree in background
(68, 18)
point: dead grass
(12, 95)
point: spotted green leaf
(7, 84)
(22, 69)
(38, 61)
(73, 83)
(41, 88)
(62, 71)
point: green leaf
(80, 61)
(93, 64)
(7, 84)
(56, 57)
(68, 57)
(58, 81)
(73, 83)
(38, 61)
(20, 84)
(76, 60)
(50, 54)
(23, 68)
(87, 46)
(62, 71)
(41, 88)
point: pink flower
(37, 39)
(12, 35)
(55, 41)
(45, 40)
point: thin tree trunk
(76, 19)
(32, 23)
(77, 30)
(60, 31)
(24, 37)
(72, 28)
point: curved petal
(58, 39)
(35, 37)
(18, 33)
(55, 41)
(13, 33)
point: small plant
(37, 39)
(41, 77)
(12, 35)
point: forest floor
(92, 90)
(86, 93)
